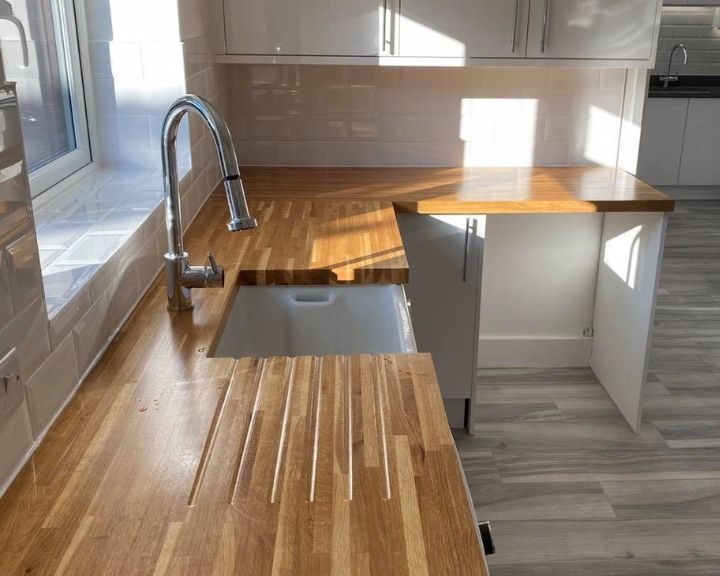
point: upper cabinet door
(592, 29)
(463, 28)
(305, 27)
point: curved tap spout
(180, 276)
(667, 78)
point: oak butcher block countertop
(307, 242)
(168, 461)
(568, 189)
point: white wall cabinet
(304, 27)
(463, 28)
(430, 33)
(582, 30)
(699, 165)
(445, 256)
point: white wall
(356, 115)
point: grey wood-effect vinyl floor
(569, 488)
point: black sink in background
(686, 87)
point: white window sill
(86, 220)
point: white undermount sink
(317, 320)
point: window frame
(66, 18)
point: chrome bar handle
(515, 16)
(467, 249)
(545, 26)
(386, 42)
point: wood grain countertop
(308, 242)
(568, 189)
(168, 461)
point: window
(40, 52)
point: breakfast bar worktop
(536, 190)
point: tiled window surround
(693, 26)
(112, 223)
(101, 242)
(100, 250)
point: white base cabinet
(445, 257)
(535, 291)
(661, 141)
(679, 142)
(699, 165)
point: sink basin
(317, 320)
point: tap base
(237, 224)
(178, 308)
(178, 296)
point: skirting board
(691, 192)
(534, 352)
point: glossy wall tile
(375, 116)
(23, 323)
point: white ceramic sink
(317, 320)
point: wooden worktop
(568, 189)
(171, 462)
(307, 242)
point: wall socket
(11, 383)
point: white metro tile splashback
(60, 368)
(24, 272)
(375, 116)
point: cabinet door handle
(467, 249)
(386, 42)
(545, 26)
(514, 35)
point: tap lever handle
(213, 263)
